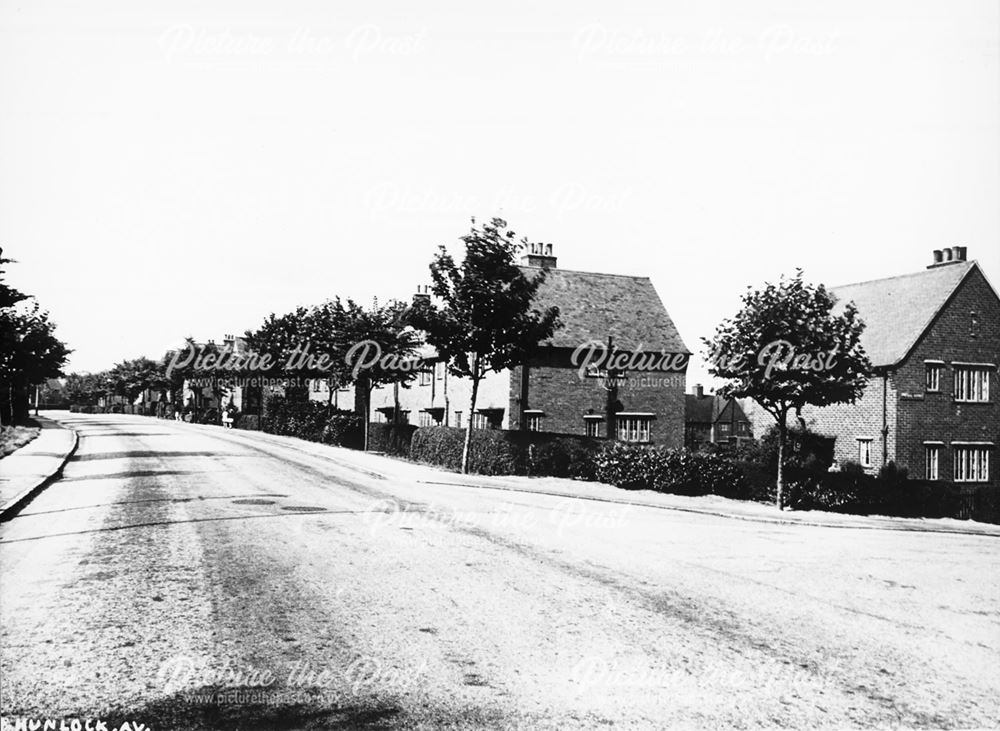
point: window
(724, 429)
(634, 427)
(933, 380)
(316, 385)
(972, 463)
(972, 384)
(593, 426)
(479, 421)
(439, 370)
(425, 377)
(932, 458)
(426, 419)
(533, 420)
(865, 452)
(458, 418)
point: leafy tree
(84, 388)
(380, 347)
(131, 377)
(29, 353)
(787, 347)
(487, 321)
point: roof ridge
(922, 272)
(581, 271)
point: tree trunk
(782, 435)
(367, 414)
(468, 426)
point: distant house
(549, 393)
(712, 419)
(932, 404)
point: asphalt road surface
(193, 577)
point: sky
(187, 168)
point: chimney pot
(938, 256)
(699, 390)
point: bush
(639, 467)
(344, 430)
(250, 422)
(391, 438)
(490, 452)
(563, 457)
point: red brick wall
(932, 416)
(915, 416)
(554, 386)
(849, 422)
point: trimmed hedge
(490, 453)
(641, 467)
(391, 438)
(309, 420)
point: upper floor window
(972, 383)
(634, 427)
(425, 377)
(933, 377)
(972, 464)
(865, 452)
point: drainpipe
(885, 420)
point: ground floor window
(426, 419)
(533, 420)
(592, 426)
(458, 418)
(972, 464)
(634, 427)
(865, 452)
(932, 458)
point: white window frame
(972, 383)
(458, 419)
(426, 419)
(932, 460)
(533, 419)
(592, 425)
(865, 452)
(932, 375)
(426, 377)
(634, 428)
(971, 462)
(479, 421)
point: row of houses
(933, 337)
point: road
(173, 562)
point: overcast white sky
(190, 168)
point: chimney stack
(539, 255)
(422, 295)
(949, 255)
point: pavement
(28, 470)
(393, 468)
(195, 578)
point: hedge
(680, 472)
(391, 438)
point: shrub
(490, 451)
(562, 457)
(680, 472)
(247, 421)
(391, 438)
(344, 430)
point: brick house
(712, 419)
(549, 393)
(931, 405)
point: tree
(131, 377)
(380, 347)
(487, 321)
(84, 388)
(29, 354)
(786, 348)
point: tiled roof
(897, 310)
(594, 306)
(709, 408)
